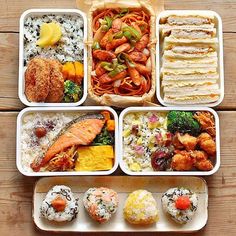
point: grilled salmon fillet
(80, 132)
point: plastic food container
(166, 109)
(91, 109)
(219, 35)
(21, 82)
(123, 185)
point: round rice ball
(100, 203)
(140, 208)
(59, 204)
(180, 204)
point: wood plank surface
(12, 9)
(16, 190)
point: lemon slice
(56, 33)
(46, 34)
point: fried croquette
(44, 81)
(37, 80)
(56, 90)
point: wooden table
(16, 190)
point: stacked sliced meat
(190, 62)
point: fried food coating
(182, 161)
(201, 160)
(189, 142)
(177, 144)
(37, 80)
(199, 155)
(207, 121)
(205, 165)
(44, 80)
(207, 144)
(56, 90)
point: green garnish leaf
(104, 138)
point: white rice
(71, 209)
(69, 48)
(168, 204)
(104, 199)
(147, 136)
(33, 147)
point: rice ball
(180, 203)
(59, 204)
(140, 208)
(100, 203)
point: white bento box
(166, 109)
(21, 81)
(83, 109)
(219, 35)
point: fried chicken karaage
(189, 142)
(177, 144)
(207, 144)
(201, 161)
(182, 161)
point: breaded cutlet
(37, 80)
(56, 90)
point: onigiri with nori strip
(180, 203)
(59, 204)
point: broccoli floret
(72, 91)
(183, 122)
